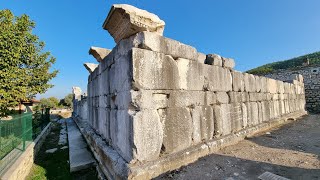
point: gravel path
(291, 151)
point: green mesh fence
(15, 136)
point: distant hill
(314, 58)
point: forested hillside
(314, 58)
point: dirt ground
(291, 151)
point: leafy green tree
(24, 67)
(67, 100)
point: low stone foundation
(22, 166)
(114, 167)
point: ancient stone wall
(311, 76)
(155, 104)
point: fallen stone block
(125, 20)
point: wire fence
(15, 136)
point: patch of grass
(37, 173)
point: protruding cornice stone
(125, 20)
(90, 66)
(99, 53)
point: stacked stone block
(152, 97)
(147, 99)
(311, 78)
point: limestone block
(260, 115)
(244, 115)
(235, 97)
(272, 86)
(90, 67)
(105, 84)
(217, 78)
(152, 70)
(222, 98)
(120, 75)
(254, 96)
(249, 82)
(245, 97)
(254, 118)
(76, 91)
(236, 117)
(156, 99)
(201, 58)
(177, 129)
(190, 74)
(228, 63)
(210, 98)
(213, 59)
(258, 83)
(300, 78)
(121, 133)
(157, 43)
(280, 87)
(237, 81)
(147, 135)
(125, 20)
(99, 53)
(265, 110)
(222, 123)
(264, 84)
(203, 123)
(249, 114)
(286, 87)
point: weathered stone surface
(177, 129)
(228, 63)
(148, 135)
(190, 74)
(254, 117)
(217, 78)
(235, 97)
(90, 66)
(258, 83)
(99, 53)
(249, 82)
(210, 98)
(222, 98)
(76, 91)
(264, 84)
(272, 86)
(201, 58)
(152, 70)
(237, 81)
(244, 115)
(125, 20)
(222, 121)
(236, 117)
(157, 43)
(213, 59)
(203, 123)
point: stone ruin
(155, 104)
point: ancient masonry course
(311, 75)
(155, 104)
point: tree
(51, 102)
(67, 100)
(24, 67)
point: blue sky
(253, 32)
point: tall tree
(24, 66)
